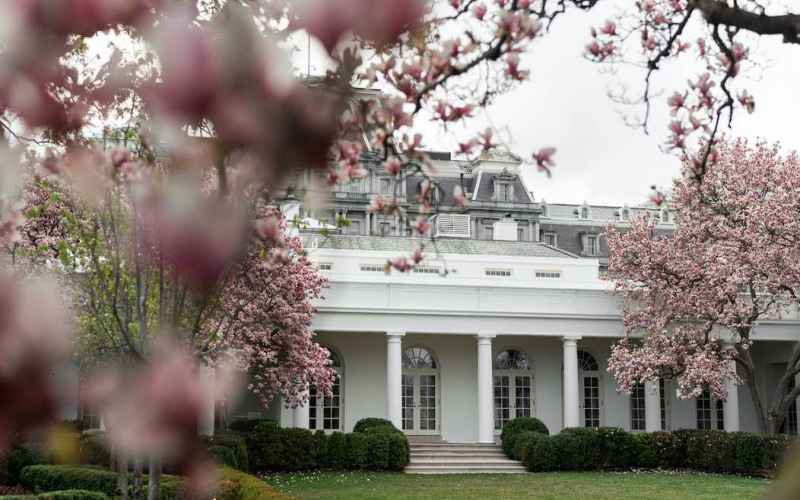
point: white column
(652, 406)
(394, 377)
(571, 388)
(300, 414)
(730, 407)
(485, 396)
(206, 423)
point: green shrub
(48, 478)
(522, 442)
(66, 477)
(20, 457)
(61, 495)
(94, 449)
(775, 447)
(235, 443)
(223, 456)
(236, 485)
(669, 449)
(298, 450)
(543, 455)
(366, 424)
(336, 453)
(616, 449)
(645, 452)
(517, 425)
(247, 425)
(265, 447)
(320, 446)
(355, 450)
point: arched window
(418, 357)
(590, 388)
(513, 387)
(586, 362)
(325, 412)
(511, 359)
(420, 391)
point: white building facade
(511, 329)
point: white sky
(600, 159)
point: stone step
(465, 469)
(455, 454)
(457, 450)
(447, 443)
(463, 461)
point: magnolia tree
(693, 298)
(208, 86)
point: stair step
(463, 461)
(447, 454)
(477, 469)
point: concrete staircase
(457, 458)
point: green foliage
(265, 446)
(517, 425)
(236, 457)
(366, 424)
(223, 456)
(20, 457)
(61, 495)
(522, 441)
(65, 477)
(355, 451)
(298, 450)
(611, 448)
(247, 425)
(336, 454)
(236, 485)
(49, 478)
(94, 449)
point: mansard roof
(401, 244)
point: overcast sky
(600, 159)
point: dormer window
(503, 191)
(584, 214)
(545, 210)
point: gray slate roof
(445, 245)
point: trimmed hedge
(45, 478)
(18, 458)
(229, 448)
(516, 426)
(371, 423)
(61, 495)
(615, 449)
(94, 449)
(236, 485)
(375, 447)
(246, 425)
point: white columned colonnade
(571, 385)
(485, 389)
(394, 378)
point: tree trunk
(154, 480)
(746, 361)
(122, 479)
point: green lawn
(571, 486)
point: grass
(571, 486)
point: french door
(590, 402)
(420, 395)
(513, 397)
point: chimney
(505, 229)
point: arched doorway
(591, 400)
(420, 391)
(325, 412)
(513, 387)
